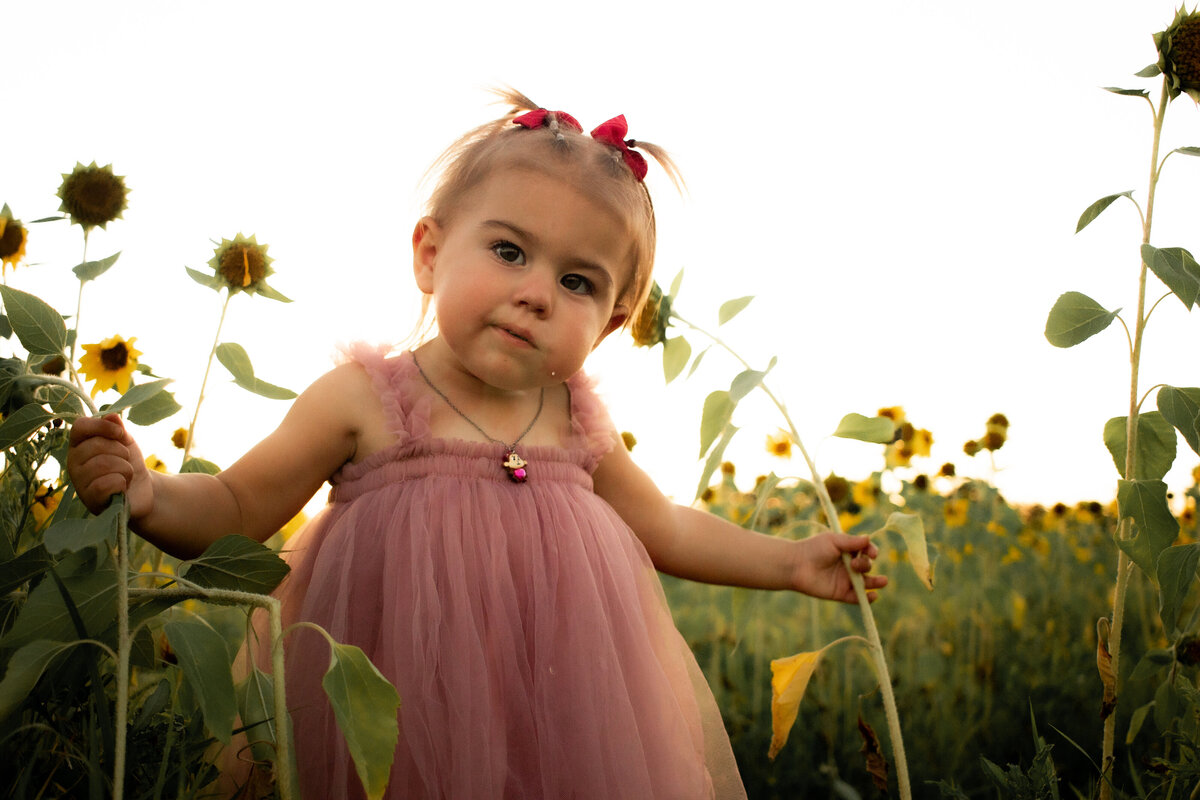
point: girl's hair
(598, 169)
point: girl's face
(525, 278)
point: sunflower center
(242, 265)
(1185, 46)
(115, 357)
(11, 240)
(95, 197)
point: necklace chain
(509, 447)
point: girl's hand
(819, 570)
(104, 460)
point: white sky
(898, 183)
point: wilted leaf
(731, 309)
(676, 353)
(1175, 267)
(1096, 208)
(204, 658)
(238, 563)
(1176, 578)
(364, 704)
(1146, 503)
(39, 327)
(912, 529)
(880, 430)
(1074, 318)
(1155, 445)
(789, 680)
(1104, 665)
(877, 766)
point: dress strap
(405, 411)
(590, 422)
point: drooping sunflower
(109, 363)
(241, 264)
(1179, 54)
(93, 196)
(13, 236)
(650, 326)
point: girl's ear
(426, 240)
(619, 315)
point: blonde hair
(598, 169)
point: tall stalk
(187, 446)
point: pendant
(516, 467)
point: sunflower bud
(650, 326)
(93, 196)
(1179, 54)
(13, 235)
(241, 263)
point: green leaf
(763, 492)
(1181, 408)
(46, 616)
(1175, 267)
(22, 423)
(206, 663)
(1187, 151)
(194, 464)
(676, 353)
(698, 359)
(256, 706)
(879, 430)
(718, 410)
(235, 359)
(675, 284)
(714, 458)
(1149, 71)
(15, 572)
(1155, 445)
(745, 383)
(39, 327)
(731, 309)
(364, 704)
(912, 530)
(1176, 577)
(90, 270)
(76, 534)
(204, 279)
(25, 669)
(1136, 720)
(1146, 503)
(137, 395)
(1096, 208)
(1127, 92)
(1074, 318)
(1167, 710)
(269, 292)
(238, 563)
(154, 409)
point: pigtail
(664, 160)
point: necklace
(513, 462)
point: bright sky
(898, 183)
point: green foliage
(1075, 318)
(364, 704)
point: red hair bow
(536, 119)
(613, 133)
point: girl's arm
(689, 543)
(184, 514)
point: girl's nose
(535, 292)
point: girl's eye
(576, 284)
(508, 253)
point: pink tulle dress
(522, 624)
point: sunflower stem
(79, 302)
(874, 642)
(187, 446)
(124, 645)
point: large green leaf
(364, 704)
(136, 395)
(1074, 318)
(238, 563)
(718, 410)
(714, 458)
(154, 409)
(39, 327)
(235, 359)
(204, 658)
(16, 571)
(1181, 408)
(1175, 267)
(1096, 208)
(90, 270)
(1176, 579)
(45, 615)
(1156, 526)
(1155, 445)
(22, 423)
(912, 530)
(676, 353)
(25, 669)
(76, 534)
(732, 308)
(744, 383)
(256, 705)
(879, 430)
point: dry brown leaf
(877, 766)
(1105, 667)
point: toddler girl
(489, 543)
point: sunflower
(241, 264)
(93, 196)
(650, 326)
(1179, 54)
(45, 503)
(109, 363)
(780, 444)
(13, 236)
(180, 438)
